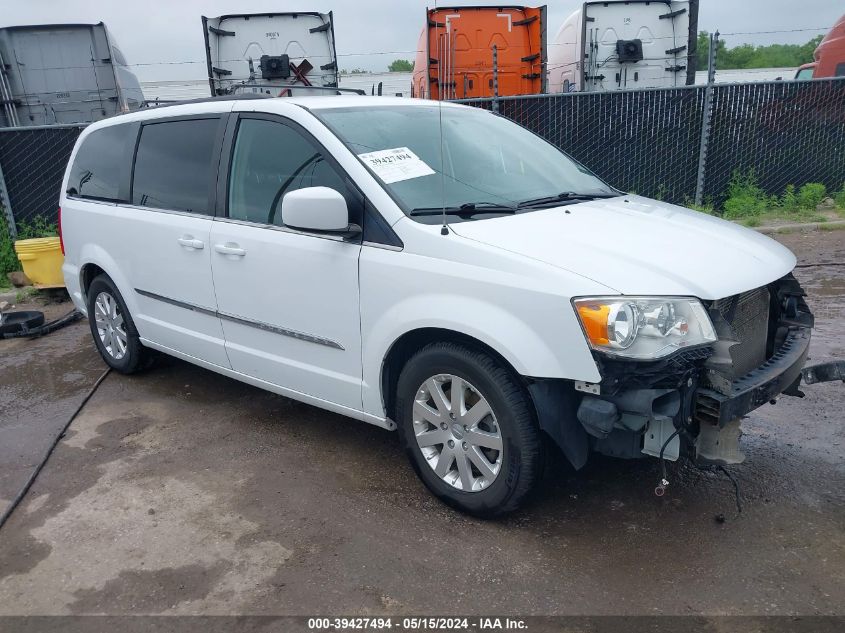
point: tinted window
(840, 70)
(173, 165)
(269, 160)
(96, 170)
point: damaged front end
(690, 403)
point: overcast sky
(170, 31)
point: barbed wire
(823, 28)
(407, 52)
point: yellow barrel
(42, 260)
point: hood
(640, 246)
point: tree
(703, 51)
(751, 56)
(400, 66)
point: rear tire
(113, 329)
(467, 424)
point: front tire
(113, 329)
(468, 427)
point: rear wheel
(112, 327)
(468, 428)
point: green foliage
(400, 66)
(708, 207)
(39, 227)
(25, 294)
(745, 197)
(789, 200)
(8, 259)
(811, 195)
(750, 56)
(839, 198)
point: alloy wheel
(111, 328)
(457, 432)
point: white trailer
(270, 52)
(63, 73)
(621, 45)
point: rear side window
(97, 167)
(173, 165)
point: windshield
(489, 164)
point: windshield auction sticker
(394, 165)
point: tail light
(61, 239)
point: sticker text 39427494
(397, 164)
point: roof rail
(245, 96)
(292, 87)
(161, 103)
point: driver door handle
(229, 248)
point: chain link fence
(657, 142)
(650, 141)
(32, 164)
(786, 132)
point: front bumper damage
(691, 404)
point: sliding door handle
(230, 248)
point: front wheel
(468, 427)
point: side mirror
(318, 210)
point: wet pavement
(43, 382)
(180, 491)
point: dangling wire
(660, 489)
(444, 229)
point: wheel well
(409, 344)
(88, 274)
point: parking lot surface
(180, 491)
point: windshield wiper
(564, 196)
(466, 209)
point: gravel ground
(181, 492)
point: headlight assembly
(643, 328)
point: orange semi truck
(829, 56)
(455, 55)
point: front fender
(516, 339)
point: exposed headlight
(643, 328)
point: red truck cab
(829, 56)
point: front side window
(840, 69)
(269, 160)
(173, 165)
(430, 158)
(95, 174)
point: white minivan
(431, 268)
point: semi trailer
(466, 52)
(625, 45)
(271, 53)
(63, 73)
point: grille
(748, 316)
